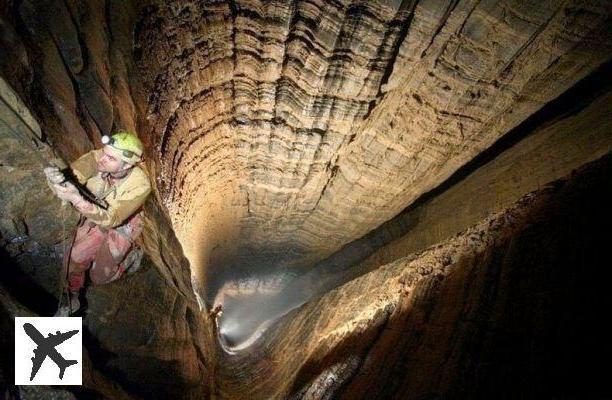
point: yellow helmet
(130, 146)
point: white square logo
(48, 350)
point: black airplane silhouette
(46, 347)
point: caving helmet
(126, 146)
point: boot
(69, 305)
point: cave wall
(572, 130)
(549, 153)
(509, 308)
(29, 230)
(512, 321)
(69, 62)
(65, 80)
(313, 122)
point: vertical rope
(63, 255)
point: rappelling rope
(63, 255)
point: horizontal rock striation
(498, 310)
(313, 122)
(567, 133)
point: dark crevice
(22, 287)
(449, 10)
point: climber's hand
(67, 191)
(54, 175)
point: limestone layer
(287, 129)
(498, 310)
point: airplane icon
(46, 347)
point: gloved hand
(67, 192)
(54, 176)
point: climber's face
(109, 162)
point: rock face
(65, 65)
(565, 134)
(314, 122)
(497, 311)
(289, 141)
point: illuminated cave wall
(293, 128)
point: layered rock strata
(498, 310)
(569, 132)
(313, 122)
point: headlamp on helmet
(129, 146)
